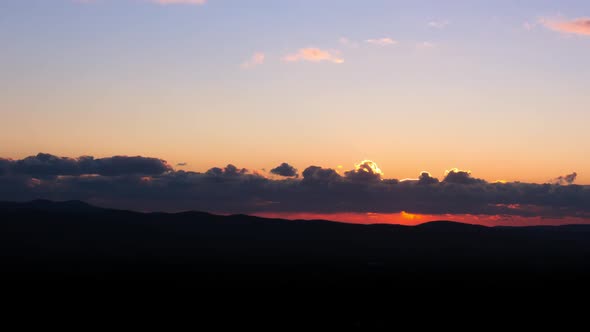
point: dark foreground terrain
(77, 244)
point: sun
(410, 216)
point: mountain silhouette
(76, 242)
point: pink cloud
(314, 55)
(426, 45)
(348, 43)
(578, 26)
(439, 24)
(255, 60)
(382, 41)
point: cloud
(458, 176)
(565, 179)
(439, 24)
(348, 43)
(320, 175)
(426, 178)
(256, 59)
(365, 171)
(149, 184)
(123, 165)
(284, 170)
(382, 41)
(45, 165)
(179, 2)
(182, 164)
(229, 170)
(426, 45)
(578, 26)
(5, 165)
(313, 54)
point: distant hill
(43, 240)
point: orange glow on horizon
(411, 219)
(410, 216)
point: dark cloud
(366, 171)
(229, 170)
(123, 165)
(284, 170)
(321, 190)
(460, 177)
(426, 178)
(215, 171)
(5, 165)
(45, 165)
(182, 164)
(320, 175)
(566, 179)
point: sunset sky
(500, 88)
(497, 87)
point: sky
(499, 88)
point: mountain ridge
(80, 206)
(68, 241)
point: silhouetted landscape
(76, 243)
(361, 163)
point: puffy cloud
(45, 165)
(319, 174)
(382, 41)
(426, 178)
(123, 165)
(321, 190)
(215, 171)
(365, 171)
(566, 179)
(460, 177)
(284, 170)
(578, 26)
(229, 170)
(256, 59)
(313, 54)
(441, 24)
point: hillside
(43, 240)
